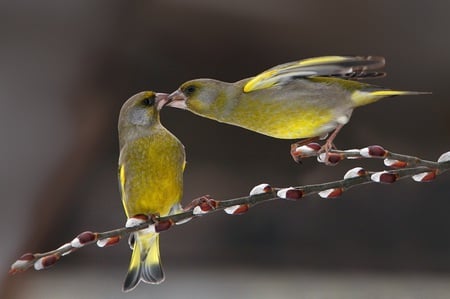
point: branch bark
(400, 166)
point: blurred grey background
(66, 68)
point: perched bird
(303, 99)
(151, 165)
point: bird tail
(364, 97)
(145, 261)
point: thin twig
(418, 169)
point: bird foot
(323, 152)
(308, 148)
(204, 203)
(297, 154)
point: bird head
(198, 95)
(142, 109)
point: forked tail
(364, 97)
(145, 261)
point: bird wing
(348, 67)
(121, 176)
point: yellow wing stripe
(268, 78)
(321, 60)
(122, 177)
(257, 82)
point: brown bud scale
(294, 194)
(333, 158)
(377, 151)
(112, 241)
(315, 146)
(27, 257)
(399, 164)
(388, 178)
(50, 260)
(241, 210)
(86, 237)
(336, 193)
(267, 189)
(163, 225)
(141, 217)
(429, 177)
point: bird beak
(161, 99)
(177, 99)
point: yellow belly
(151, 176)
(283, 121)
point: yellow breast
(150, 175)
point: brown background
(66, 68)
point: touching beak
(161, 99)
(177, 99)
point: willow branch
(401, 166)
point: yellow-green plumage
(299, 111)
(302, 99)
(151, 165)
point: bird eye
(190, 89)
(150, 101)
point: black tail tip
(153, 274)
(131, 280)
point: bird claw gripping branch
(202, 205)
